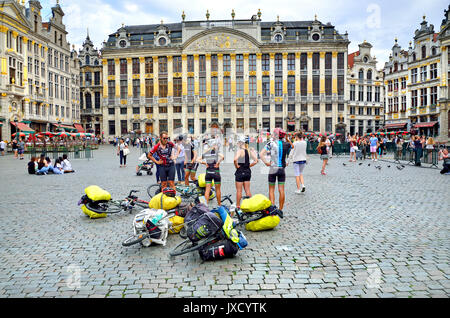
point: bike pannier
(92, 214)
(177, 224)
(256, 203)
(263, 224)
(206, 225)
(95, 193)
(168, 202)
(218, 250)
(201, 180)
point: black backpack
(218, 250)
(201, 223)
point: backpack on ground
(218, 250)
(201, 223)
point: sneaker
(298, 191)
(303, 189)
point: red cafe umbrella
(62, 134)
(21, 134)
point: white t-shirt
(2, 145)
(66, 165)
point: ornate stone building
(444, 97)
(91, 88)
(238, 74)
(35, 81)
(413, 84)
(366, 92)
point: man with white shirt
(2, 147)
(66, 165)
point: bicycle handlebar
(227, 198)
(132, 191)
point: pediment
(13, 11)
(221, 41)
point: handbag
(126, 151)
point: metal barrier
(77, 152)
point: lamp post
(17, 129)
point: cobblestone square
(356, 232)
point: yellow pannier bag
(95, 193)
(264, 224)
(168, 202)
(92, 214)
(201, 180)
(257, 202)
(177, 224)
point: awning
(395, 125)
(65, 127)
(425, 125)
(291, 123)
(23, 127)
(79, 128)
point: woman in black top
(32, 166)
(243, 172)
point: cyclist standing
(278, 150)
(190, 160)
(212, 159)
(167, 154)
(243, 172)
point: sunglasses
(165, 138)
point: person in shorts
(323, 154)
(190, 161)
(21, 148)
(373, 141)
(167, 154)
(298, 156)
(212, 159)
(243, 166)
(277, 149)
(2, 147)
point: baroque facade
(366, 92)
(415, 84)
(36, 74)
(229, 74)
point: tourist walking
(298, 157)
(353, 148)
(122, 153)
(373, 141)
(2, 147)
(322, 149)
(179, 165)
(15, 148)
(21, 148)
(278, 150)
(243, 166)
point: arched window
(433, 51)
(361, 74)
(414, 57)
(88, 60)
(369, 74)
(424, 52)
(96, 62)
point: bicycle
(114, 206)
(188, 246)
(185, 192)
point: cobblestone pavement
(357, 232)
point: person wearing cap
(212, 159)
(277, 149)
(243, 172)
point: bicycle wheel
(187, 246)
(153, 190)
(135, 239)
(183, 233)
(104, 207)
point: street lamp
(16, 121)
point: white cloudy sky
(377, 21)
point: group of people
(18, 148)
(44, 165)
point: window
(291, 86)
(239, 86)
(361, 74)
(123, 67)
(190, 63)
(202, 63)
(414, 101)
(340, 61)
(291, 62)
(226, 87)
(214, 87)
(369, 93)
(136, 66)
(112, 127)
(360, 93)
(202, 87)
(340, 85)
(328, 124)
(316, 107)
(88, 101)
(252, 86)
(316, 85)
(97, 78)
(424, 52)
(396, 85)
(190, 86)
(315, 61)
(162, 65)
(148, 65)
(265, 86)
(177, 64)
(111, 111)
(163, 87)
(414, 75)
(403, 83)
(111, 90)
(278, 86)
(278, 62)
(303, 85)
(328, 107)
(328, 61)
(123, 89)
(369, 74)
(136, 88)
(239, 63)
(423, 73)
(423, 97)
(291, 107)
(177, 87)
(316, 124)
(328, 85)
(226, 63)
(214, 63)
(149, 88)
(266, 108)
(303, 61)
(403, 106)
(352, 92)
(433, 95)
(390, 86)
(433, 71)
(278, 108)
(97, 100)
(265, 62)
(136, 110)
(396, 104)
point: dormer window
(162, 41)
(278, 38)
(424, 52)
